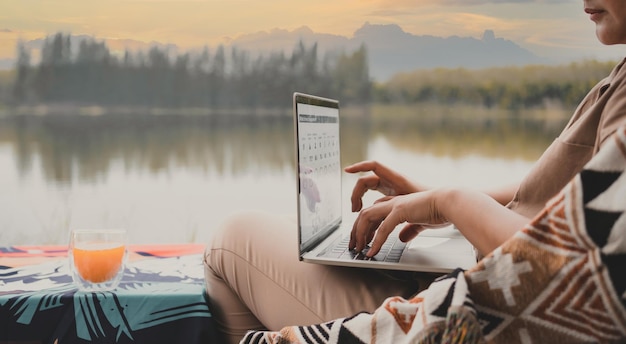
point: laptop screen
(319, 167)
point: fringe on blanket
(449, 310)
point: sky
(546, 27)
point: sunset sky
(546, 27)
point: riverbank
(377, 112)
(94, 110)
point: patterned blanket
(559, 280)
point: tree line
(90, 74)
(511, 88)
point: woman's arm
(483, 221)
(504, 194)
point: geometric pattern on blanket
(397, 321)
(561, 279)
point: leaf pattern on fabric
(94, 316)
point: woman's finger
(410, 231)
(360, 188)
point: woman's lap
(255, 280)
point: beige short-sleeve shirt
(597, 117)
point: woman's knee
(247, 234)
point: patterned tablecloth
(161, 299)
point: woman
(253, 283)
(560, 279)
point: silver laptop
(322, 232)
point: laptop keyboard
(391, 251)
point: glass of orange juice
(97, 258)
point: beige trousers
(254, 279)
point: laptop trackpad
(426, 242)
(439, 245)
(443, 253)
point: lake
(174, 178)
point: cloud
(6, 30)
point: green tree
(21, 86)
(351, 80)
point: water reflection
(83, 148)
(508, 138)
(172, 178)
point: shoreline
(374, 111)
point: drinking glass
(97, 258)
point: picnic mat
(161, 298)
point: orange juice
(98, 264)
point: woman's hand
(382, 179)
(418, 210)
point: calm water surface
(173, 179)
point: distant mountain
(284, 40)
(392, 50)
(7, 64)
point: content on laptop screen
(319, 170)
